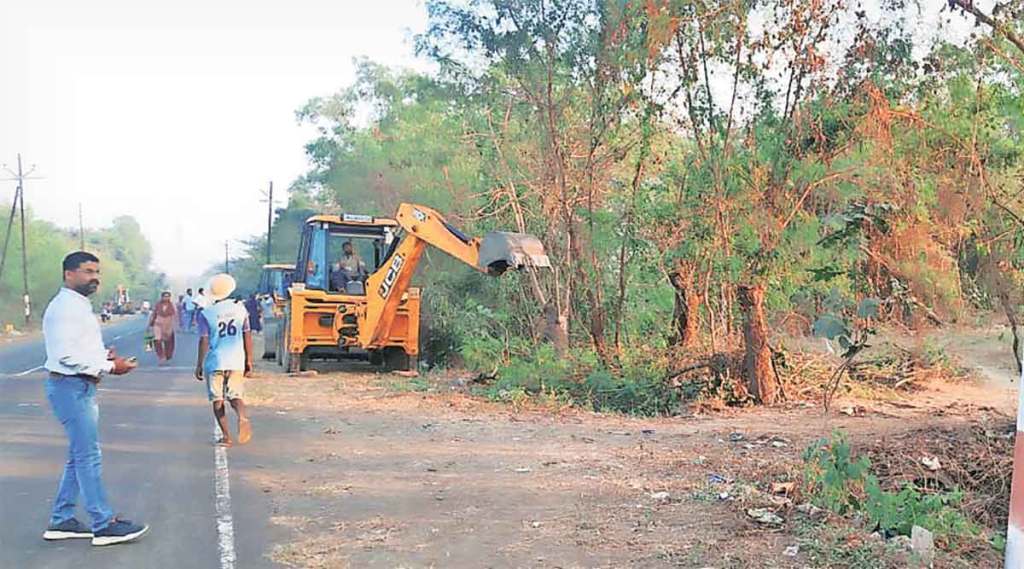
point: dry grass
(326, 550)
(976, 458)
(385, 476)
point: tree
(123, 251)
(700, 174)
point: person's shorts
(225, 384)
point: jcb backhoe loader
(274, 282)
(350, 293)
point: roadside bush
(577, 379)
(542, 371)
(842, 483)
(638, 391)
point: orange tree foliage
(811, 148)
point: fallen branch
(689, 368)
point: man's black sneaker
(71, 529)
(119, 531)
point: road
(156, 430)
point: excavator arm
(422, 226)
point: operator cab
(339, 253)
(275, 280)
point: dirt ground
(377, 470)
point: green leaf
(868, 308)
(844, 342)
(829, 326)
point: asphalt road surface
(159, 466)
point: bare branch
(997, 26)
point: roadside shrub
(842, 483)
(636, 391)
(539, 371)
(577, 379)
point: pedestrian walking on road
(162, 323)
(255, 310)
(76, 361)
(225, 356)
(202, 301)
(190, 310)
(181, 312)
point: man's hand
(123, 366)
(199, 373)
(248, 368)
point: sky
(178, 113)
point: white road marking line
(132, 333)
(222, 487)
(37, 368)
(28, 371)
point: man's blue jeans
(73, 401)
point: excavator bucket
(501, 250)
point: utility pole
(19, 196)
(81, 228)
(269, 198)
(270, 219)
(10, 225)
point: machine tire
(395, 359)
(279, 342)
(376, 358)
(293, 362)
(269, 341)
(282, 341)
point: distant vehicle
(127, 308)
(123, 302)
(273, 289)
(274, 282)
(105, 313)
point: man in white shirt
(201, 300)
(190, 310)
(76, 360)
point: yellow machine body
(360, 301)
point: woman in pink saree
(162, 321)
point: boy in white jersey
(225, 355)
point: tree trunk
(1011, 315)
(597, 329)
(556, 328)
(757, 362)
(594, 300)
(687, 304)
